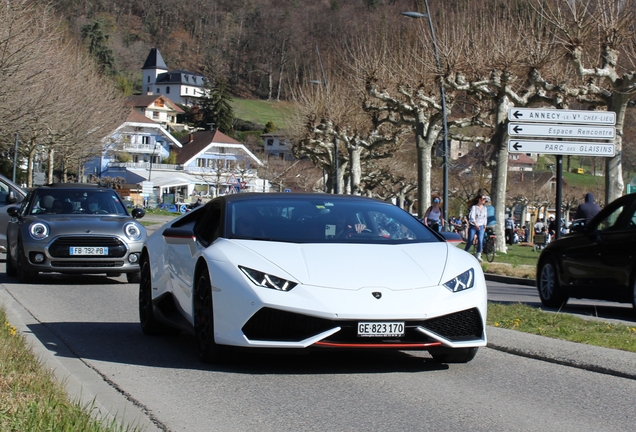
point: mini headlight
(39, 230)
(463, 281)
(132, 230)
(268, 281)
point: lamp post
(335, 140)
(443, 95)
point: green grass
(261, 111)
(30, 398)
(562, 326)
(518, 255)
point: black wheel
(548, 285)
(24, 274)
(134, 277)
(10, 266)
(490, 249)
(149, 324)
(453, 355)
(209, 351)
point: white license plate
(380, 329)
(88, 250)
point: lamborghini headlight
(462, 282)
(268, 281)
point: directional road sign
(538, 115)
(561, 131)
(561, 148)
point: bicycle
(489, 244)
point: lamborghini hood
(354, 266)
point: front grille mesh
(275, 325)
(60, 247)
(458, 326)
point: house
(277, 145)
(158, 108)
(182, 87)
(520, 162)
(135, 144)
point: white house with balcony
(181, 86)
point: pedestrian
(477, 220)
(510, 229)
(539, 227)
(434, 216)
(588, 209)
(551, 229)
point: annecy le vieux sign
(562, 126)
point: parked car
(315, 271)
(73, 228)
(595, 260)
(10, 194)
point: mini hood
(354, 266)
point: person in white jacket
(477, 220)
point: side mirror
(138, 213)
(11, 198)
(13, 211)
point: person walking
(588, 209)
(434, 216)
(477, 220)
(510, 229)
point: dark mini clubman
(73, 228)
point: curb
(509, 279)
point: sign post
(562, 126)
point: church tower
(153, 67)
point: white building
(182, 87)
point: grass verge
(563, 326)
(30, 398)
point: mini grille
(459, 326)
(60, 247)
(92, 264)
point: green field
(261, 111)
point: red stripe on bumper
(394, 346)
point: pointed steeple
(155, 61)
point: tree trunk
(613, 167)
(50, 170)
(500, 171)
(356, 169)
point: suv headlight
(268, 281)
(39, 230)
(132, 231)
(462, 282)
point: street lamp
(335, 140)
(441, 89)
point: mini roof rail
(72, 185)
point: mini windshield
(324, 220)
(72, 201)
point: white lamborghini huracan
(311, 271)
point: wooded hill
(262, 48)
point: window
(149, 79)
(167, 90)
(145, 139)
(270, 142)
(155, 115)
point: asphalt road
(86, 330)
